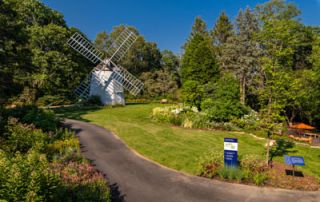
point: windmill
(107, 80)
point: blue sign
(231, 152)
(294, 160)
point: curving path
(136, 179)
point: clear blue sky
(166, 22)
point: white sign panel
(231, 146)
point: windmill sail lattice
(121, 45)
(85, 48)
(116, 51)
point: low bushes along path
(140, 180)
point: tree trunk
(268, 150)
(243, 90)
(268, 127)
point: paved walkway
(136, 179)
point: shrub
(41, 118)
(172, 114)
(44, 119)
(61, 134)
(94, 100)
(188, 117)
(27, 178)
(260, 178)
(198, 120)
(223, 110)
(23, 137)
(223, 173)
(230, 173)
(211, 163)
(224, 105)
(253, 163)
(243, 175)
(249, 121)
(64, 150)
(83, 181)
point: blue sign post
(231, 152)
(294, 161)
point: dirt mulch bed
(281, 176)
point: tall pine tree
(222, 30)
(240, 54)
(199, 65)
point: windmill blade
(85, 48)
(121, 45)
(126, 79)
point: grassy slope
(175, 147)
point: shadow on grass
(75, 112)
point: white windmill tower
(107, 80)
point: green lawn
(175, 147)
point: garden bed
(39, 161)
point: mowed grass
(175, 147)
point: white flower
(195, 109)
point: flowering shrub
(252, 168)
(83, 181)
(27, 153)
(253, 163)
(27, 177)
(65, 150)
(210, 164)
(188, 117)
(23, 137)
(249, 121)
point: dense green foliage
(39, 162)
(224, 104)
(35, 59)
(271, 54)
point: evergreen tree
(198, 62)
(222, 30)
(199, 65)
(240, 54)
